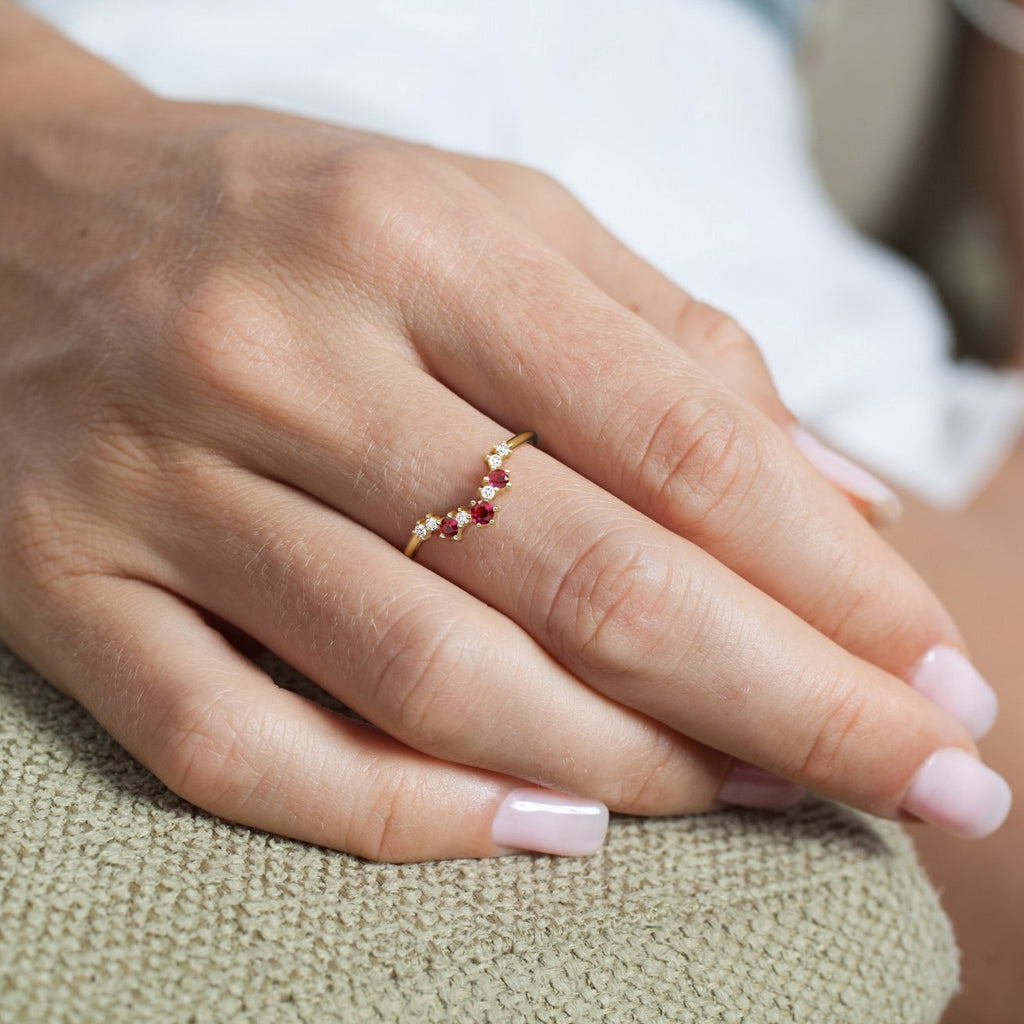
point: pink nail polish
(547, 822)
(959, 794)
(746, 785)
(949, 680)
(883, 504)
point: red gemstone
(497, 478)
(482, 512)
(449, 527)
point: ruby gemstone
(482, 512)
(497, 478)
(449, 527)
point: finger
(714, 340)
(219, 733)
(520, 299)
(657, 624)
(721, 345)
(660, 626)
(648, 618)
(613, 399)
(418, 657)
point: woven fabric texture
(122, 903)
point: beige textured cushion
(122, 903)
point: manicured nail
(881, 503)
(948, 679)
(959, 794)
(546, 822)
(749, 786)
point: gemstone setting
(483, 512)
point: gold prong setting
(481, 511)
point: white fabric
(679, 122)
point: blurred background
(898, 93)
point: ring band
(481, 511)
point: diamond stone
(421, 531)
(462, 517)
(432, 523)
(487, 492)
(503, 450)
(494, 461)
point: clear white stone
(421, 531)
(503, 450)
(487, 492)
(494, 461)
(432, 523)
(462, 517)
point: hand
(242, 353)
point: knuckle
(613, 604)
(421, 686)
(229, 339)
(364, 182)
(382, 202)
(702, 461)
(733, 357)
(714, 332)
(537, 180)
(855, 592)
(838, 732)
(206, 754)
(652, 784)
(388, 827)
(867, 597)
(41, 537)
(356, 205)
(30, 534)
(539, 190)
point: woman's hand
(241, 354)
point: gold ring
(481, 511)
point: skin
(242, 352)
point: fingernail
(959, 794)
(746, 785)
(882, 503)
(948, 679)
(546, 822)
